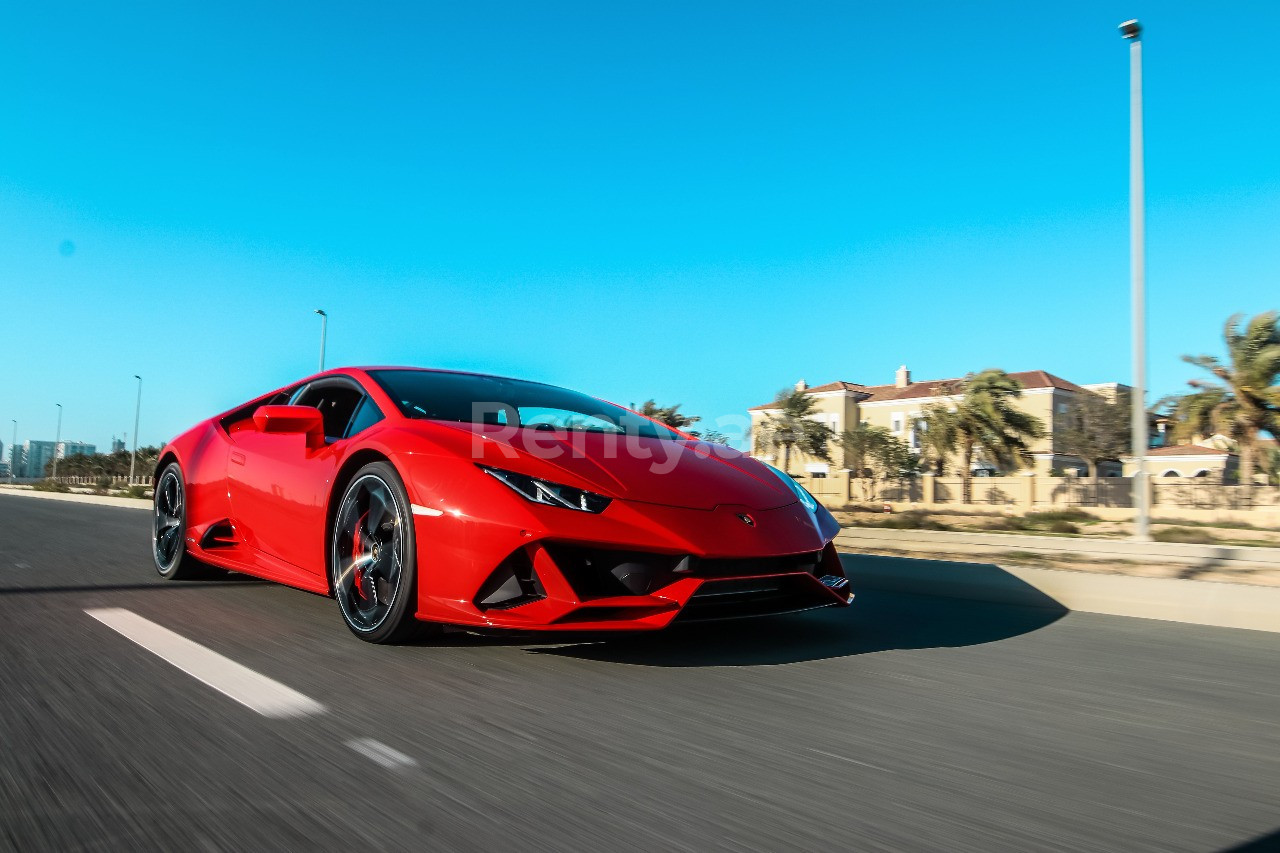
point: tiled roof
(931, 387)
(818, 389)
(1187, 450)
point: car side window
(336, 402)
(366, 416)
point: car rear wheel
(169, 526)
(373, 558)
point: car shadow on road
(212, 581)
(880, 619)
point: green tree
(1245, 401)
(1097, 429)
(792, 427)
(986, 421)
(669, 415)
(1270, 463)
(874, 454)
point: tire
(169, 527)
(373, 567)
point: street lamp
(56, 441)
(1132, 32)
(13, 450)
(137, 412)
(324, 331)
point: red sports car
(428, 497)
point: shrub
(48, 485)
(1010, 522)
(912, 519)
(1185, 535)
(136, 491)
(1069, 514)
(1061, 526)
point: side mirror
(303, 420)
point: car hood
(685, 473)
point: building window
(897, 423)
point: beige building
(1189, 460)
(899, 407)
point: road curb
(1081, 545)
(101, 500)
(1222, 605)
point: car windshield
(468, 398)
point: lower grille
(701, 567)
(603, 572)
(743, 597)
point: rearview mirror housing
(303, 420)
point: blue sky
(698, 202)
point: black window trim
(340, 380)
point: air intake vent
(222, 534)
(513, 583)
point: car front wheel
(373, 558)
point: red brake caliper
(358, 581)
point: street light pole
(56, 441)
(324, 331)
(137, 412)
(13, 450)
(1132, 31)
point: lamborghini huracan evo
(422, 498)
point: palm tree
(1246, 399)
(669, 415)
(937, 436)
(986, 421)
(792, 426)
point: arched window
(1171, 473)
(1203, 472)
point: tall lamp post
(13, 450)
(324, 331)
(56, 441)
(137, 412)
(1132, 32)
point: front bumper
(489, 558)
(560, 585)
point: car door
(279, 486)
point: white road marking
(392, 759)
(267, 697)
(419, 509)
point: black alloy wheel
(372, 558)
(169, 526)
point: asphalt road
(903, 723)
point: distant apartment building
(117, 445)
(75, 448)
(900, 408)
(30, 459)
(35, 455)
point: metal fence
(1030, 491)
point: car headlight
(809, 501)
(549, 493)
